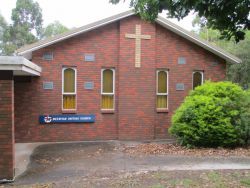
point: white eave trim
(17, 63)
(21, 68)
(30, 71)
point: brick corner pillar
(7, 142)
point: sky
(76, 13)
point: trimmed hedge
(213, 115)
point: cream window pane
(197, 79)
(162, 82)
(107, 81)
(69, 101)
(107, 101)
(69, 80)
(162, 101)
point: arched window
(162, 89)
(69, 89)
(197, 78)
(108, 91)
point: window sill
(69, 111)
(106, 111)
(162, 110)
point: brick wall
(6, 126)
(136, 85)
(135, 115)
(32, 100)
(169, 47)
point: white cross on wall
(137, 36)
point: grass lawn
(157, 179)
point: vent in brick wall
(215, 63)
(89, 57)
(181, 60)
(180, 87)
(48, 85)
(88, 85)
(48, 56)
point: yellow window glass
(107, 89)
(197, 79)
(69, 101)
(162, 89)
(162, 101)
(69, 93)
(107, 102)
(69, 80)
(107, 81)
(162, 82)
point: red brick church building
(117, 78)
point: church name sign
(69, 118)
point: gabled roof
(28, 49)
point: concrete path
(23, 152)
(53, 162)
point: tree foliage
(238, 73)
(54, 29)
(3, 26)
(204, 32)
(213, 115)
(28, 16)
(231, 18)
(26, 28)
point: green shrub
(244, 127)
(213, 115)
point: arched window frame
(111, 93)
(69, 93)
(202, 77)
(165, 94)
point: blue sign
(69, 118)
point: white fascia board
(10, 67)
(26, 70)
(30, 71)
(18, 63)
(31, 65)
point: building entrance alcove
(11, 69)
